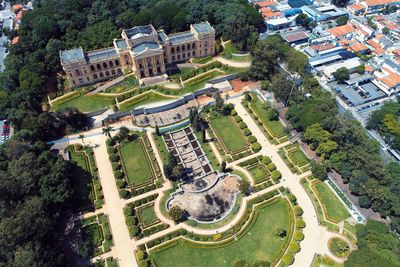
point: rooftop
(203, 27)
(294, 37)
(140, 31)
(102, 54)
(341, 30)
(121, 44)
(145, 46)
(72, 55)
(181, 37)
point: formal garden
(86, 186)
(266, 117)
(254, 239)
(294, 158)
(263, 171)
(141, 219)
(231, 136)
(107, 262)
(135, 166)
(96, 237)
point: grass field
(86, 103)
(333, 207)
(82, 185)
(276, 127)
(147, 216)
(93, 234)
(258, 173)
(259, 243)
(136, 165)
(298, 158)
(128, 83)
(229, 133)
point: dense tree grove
(387, 122)
(341, 142)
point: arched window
(188, 46)
(172, 50)
(110, 64)
(178, 49)
(104, 65)
(113, 72)
(183, 47)
(116, 62)
(107, 73)
(95, 76)
(98, 67)
(194, 45)
(92, 68)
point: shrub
(110, 142)
(233, 112)
(287, 259)
(298, 211)
(116, 166)
(121, 183)
(294, 248)
(112, 150)
(242, 125)
(256, 147)
(252, 139)
(114, 158)
(133, 230)
(292, 198)
(238, 119)
(276, 175)
(150, 244)
(100, 195)
(121, 98)
(300, 223)
(118, 175)
(298, 236)
(246, 132)
(140, 255)
(266, 160)
(123, 193)
(271, 166)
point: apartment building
(142, 50)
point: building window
(110, 64)
(172, 50)
(98, 67)
(183, 55)
(140, 66)
(142, 74)
(188, 46)
(101, 75)
(104, 65)
(84, 71)
(73, 81)
(92, 68)
(178, 49)
(206, 51)
(194, 45)
(206, 43)
(77, 72)
(87, 78)
(188, 54)
(119, 71)
(183, 47)
(113, 72)
(116, 63)
(158, 69)
(95, 76)
(173, 58)
(158, 62)
(193, 53)
(179, 57)
(107, 73)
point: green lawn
(147, 216)
(298, 157)
(259, 173)
(229, 133)
(161, 148)
(128, 83)
(259, 243)
(82, 185)
(86, 103)
(143, 101)
(137, 167)
(241, 58)
(333, 207)
(93, 234)
(276, 127)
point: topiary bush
(276, 175)
(246, 132)
(298, 236)
(114, 158)
(292, 198)
(118, 175)
(256, 147)
(242, 125)
(287, 259)
(271, 167)
(298, 211)
(300, 223)
(121, 183)
(266, 160)
(252, 139)
(294, 248)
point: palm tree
(107, 131)
(81, 136)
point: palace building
(142, 50)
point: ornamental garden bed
(256, 243)
(86, 186)
(96, 235)
(294, 158)
(263, 171)
(274, 130)
(134, 163)
(141, 219)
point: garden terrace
(253, 239)
(128, 83)
(95, 231)
(141, 219)
(273, 129)
(165, 117)
(295, 158)
(86, 185)
(231, 136)
(263, 171)
(135, 166)
(184, 146)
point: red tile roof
(342, 30)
